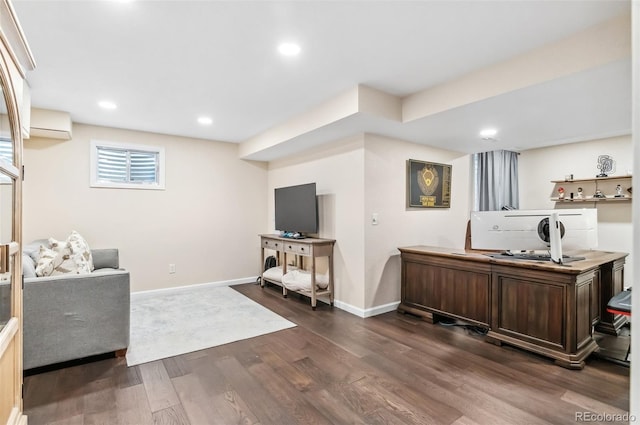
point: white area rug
(168, 324)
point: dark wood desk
(543, 307)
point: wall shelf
(606, 185)
(593, 179)
(592, 199)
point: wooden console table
(542, 307)
(302, 248)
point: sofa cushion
(32, 249)
(28, 266)
(105, 258)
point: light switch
(374, 219)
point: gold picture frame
(428, 184)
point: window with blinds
(6, 150)
(6, 155)
(126, 166)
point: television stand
(311, 248)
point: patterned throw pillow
(55, 260)
(63, 257)
(46, 259)
(81, 252)
(64, 261)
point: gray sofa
(69, 317)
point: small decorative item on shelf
(561, 193)
(606, 164)
(568, 177)
(599, 194)
(619, 192)
(579, 195)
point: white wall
(338, 171)
(385, 195)
(366, 174)
(537, 167)
(205, 222)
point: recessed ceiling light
(107, 104)
(205, 121)
(289, 49)
(488, 133)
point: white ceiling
(167, 62)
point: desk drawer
(298, 248)
(272, 244)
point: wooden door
(10, 266)
(15, 59)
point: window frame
(93, 169)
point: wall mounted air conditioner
(50, 124)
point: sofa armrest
(105, 258)
(69, 317)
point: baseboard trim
(381, 309)
(369, 312)
(177, 289)
(16, 417)
(357, 311)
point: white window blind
(127, 166)
(6, 149)
(6, 155)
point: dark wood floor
(333, 368)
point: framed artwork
(428, 184)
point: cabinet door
(451, 288)
(531, 309)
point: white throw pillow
(61, 257)
(55, 260)
(81, 252)
(64, 261)
(46, 258)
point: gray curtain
(495, 180)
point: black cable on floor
(471, 329)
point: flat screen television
(296, 210)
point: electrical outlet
(172, 268)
